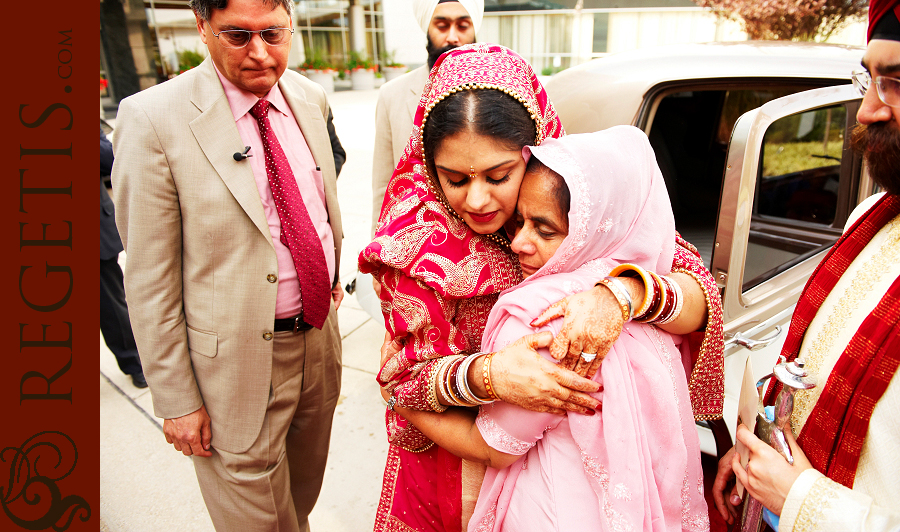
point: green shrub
(356, 60)
(188, 59)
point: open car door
(790, 183)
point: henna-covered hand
(523, 377)
(389, 349)
(592, 323)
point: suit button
(267, 336)
(271, 278)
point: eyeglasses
(888, 88)
(240, 38)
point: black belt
(295, 324)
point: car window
(689, 129)
(795, 208)
(739, 101)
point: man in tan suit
(447, 24)
(242, 355)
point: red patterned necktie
(297, 231)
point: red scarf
(833, 435)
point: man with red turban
(846, 471)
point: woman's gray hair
(203, 8)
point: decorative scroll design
(31, 497)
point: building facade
(551, 35)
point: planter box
(325, 78)
(362, 79)
(393, 72)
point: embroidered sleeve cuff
(795, 498)
(499, 439)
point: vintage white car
(752, 139)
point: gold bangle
(432, 398)
(486, 375)
(621, 294)
(623, 270)
(443, 370)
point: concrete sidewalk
(145, 485)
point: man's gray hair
(203, 8)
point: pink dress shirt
(309, 180)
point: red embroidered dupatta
(835, 430)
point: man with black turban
(846, 470)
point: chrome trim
(754, 345)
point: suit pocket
(204, 343)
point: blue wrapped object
(770, 518)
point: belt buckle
(296, 324)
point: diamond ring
(588, 357)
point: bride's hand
(520, 376)
(389, 348)
(592, 323)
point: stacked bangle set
(450, 379)
(663, 298)
(662, 304)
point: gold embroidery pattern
(382, 515)
(483, 69)
(396, 525)
(814, 506)
(869, 274)
(705, 405)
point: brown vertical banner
(49, 459)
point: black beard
(879, 144)
(434, 53)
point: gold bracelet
(621, 294)
(625, 270)
(486, 375)
(432, 398)
(442, 372)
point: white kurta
(816, 503)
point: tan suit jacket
(395, 113)
(201, 267)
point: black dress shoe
(138, 380)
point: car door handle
(754, 345)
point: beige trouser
(274, 485)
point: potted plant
(362, 71)
(391, 68)
(188, 59)
(318, 69)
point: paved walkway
(145, 485)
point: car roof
(610, 90)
